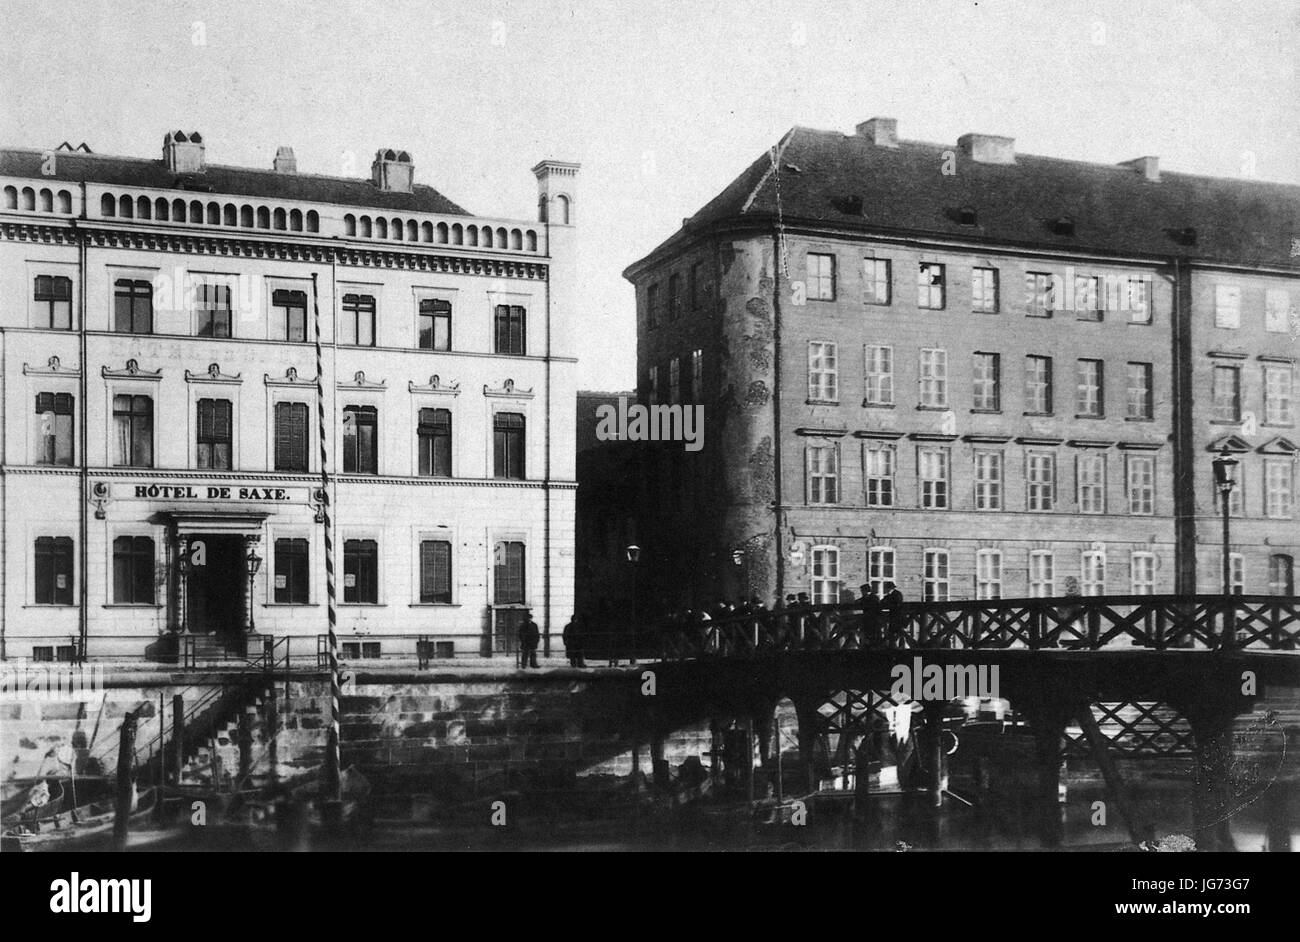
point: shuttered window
(510, 329)
(361, 571)
(53, 570)
(291, 571)
(434, 434)
(291, 436)
(508, 445)
(435, 571)
(508, 581)
(133, 559)
(214, 434)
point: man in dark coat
(529, 637)
(573, 642)
(893, 604)
(871, 633)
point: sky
(662, 103)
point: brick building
(973, 372)
(159, 400)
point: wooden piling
(125, 782)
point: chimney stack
(393, 170)
(183, 153)
(988, 148)
(557, 186)
(883, 132)
(285, 161)
(1149, 167)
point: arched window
(143, 208)
(11, 197)
(426, 231)
(107, 204)
(503, 240)
(196, 211)
(516, 239)
(530, 240)
(47, 201)
(1281, 575)
(160, 209)
(279, 218)
(412, 231)
(381, 227)
(562, 209)
(349, 225)
(365, 227)
(487, 237)
(295, 220)
(472, 233)
(397, 229)
(457, 234)
(541, 209)
(263, 218)
(178, 210)
(125, 207)
(443, 233)
(29, 198)
(246, 216)
(313, 221)
(214, 214)
(230, 215)
(65, 201)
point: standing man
(529, 636)
(573, 642)
(893, 603)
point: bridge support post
(178, 737)
(1212, 801)
(809, 728)
(1048, 717)
(864, 817)
(936, 757)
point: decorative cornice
(932, 437)
(1234, 443)
(1037, 440)
(1225, 355)
(1275, 358)
(882, 433)
(435, 386)
(53, 367)
(38, 232)
(359, 381)
(132, 371)
(507, 391)
(1279, 445)
(983, 439)
(817, 432)
(1140, 446)
(290, 378)
(1090, 443)
(214, 375)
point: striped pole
(332, 757)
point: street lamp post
(634, 557)
(254, 563)
(1225, 469)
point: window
(1277, 487)
(508, 581)
(434, 442)
(360, 440)
(1042, 574)
(1094, 573)
(291, 440)
(1139, 306)
(213, 309)
(821, 277)
(291, 572)
(132, 306)
(933, 471)
(133, 559)
(825, 588)
(1237, 496)
(652, 302)
(54, 437)
(875, 281)
(674, 297)
(357, 326)
(1038, 385)
(1277, 310)
(508, 445)
(823, 474)
(1227, 394)
(1040, 481)
(823, 374)
(434, 324)
(929, 286)
(674, 381)
(880, 376)
(1091, 471)
(1087, 306)
(1089, 401)
(878, 474)
(880, 569)
(53, 570)
(1236, 572)
(361, 572)
(988, 480)
(510, 329)
(1039, 294)
(1281, 575)
(133, 426)
(53, 297)
(988, 574)
(1140, 404)
(1143, 574)
(984, 290)
(935, 582)
(1141, 485)
(1277, 395)
(435, 571)
(214, 434)
(697, 375)
(986, 371)
(693, 285)
(653, 383)
(1227, 306)
(289, 314)
(934, 379)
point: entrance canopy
(243, 522)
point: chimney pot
(1149, 167)
(393, 171)
(988, 148)
(883, 132)
(285, 161)
(182, 153)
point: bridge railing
(1084, 623)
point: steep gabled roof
(75, 167)
(825, 179)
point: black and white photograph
(738, 426)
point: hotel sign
(216, 492)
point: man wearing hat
(529, 636)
